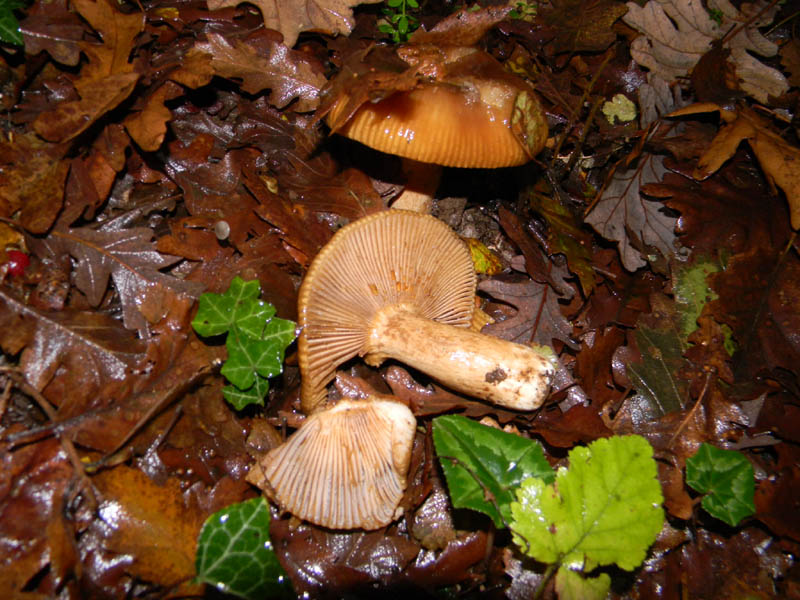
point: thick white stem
(502, 372)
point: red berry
(17, 262)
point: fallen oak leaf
(289, 74)
(32, 179)
(538, 318)
(105, 81)
(624, 216)
(81, 343)
(130, 259)
(583, 25)
(149, 126)
(677, 33)
(155, 524)
(290, 18)
(777, 157)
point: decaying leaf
(538, 319)
(105, 81)
(583, 25)
(635, 223)
(32, 177)
(779, 159)
(677, 33)
(150, 522)
(289, 74)
(129, 258)
(290, 18)
(89, 345)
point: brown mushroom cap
(471, 113)
(386, 259)
(400, 284)
(345, 467)
(440, 124)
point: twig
(14, 374)
(711, 371)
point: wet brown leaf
(777, 157)
(267, 65)
(584, 24)
(90, 347)
(148, 127)
(105, 81)
(152, 524)
(32, 181)
(538, 318)
(291, 18)
(34, 482)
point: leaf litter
(154, 152)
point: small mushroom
(472, 114)
(345, 468)
(400, 284)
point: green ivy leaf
(571, 585)
(604, 509)
(9, 26)
(255, 394)
(235, 555)
(727, 479)
(499, 460)
(256, 342)
(216, 313)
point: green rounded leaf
(234, 553)
(604, 509)
(486, 460)
(727, 479)
(571, 585)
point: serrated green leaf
(235, 555)
(9, 25)
(216, 313)
(571, 585)
(499, 460)
(727, 479)
(656, 377)
(604, 509)
(255, 394)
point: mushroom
(472, 114)
(400, 284)
(346, 466)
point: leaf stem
(548, 574)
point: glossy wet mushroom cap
(476, 115)
(345, 468)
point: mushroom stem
(422, 180)
(502, 372)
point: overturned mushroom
(473, 113)
(400, 284)
(346, 466)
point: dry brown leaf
(289, 74)
(779, 159)
(291, 18)
(677, 33)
